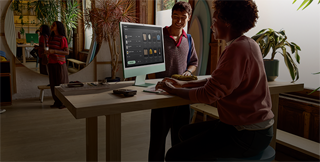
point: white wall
(301, 27)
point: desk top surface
(27, 45)
(97, 102)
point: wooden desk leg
(113, 137)
(92, 139)
(275, 104)
(23, 55)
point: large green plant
(70, 16)
(47, 11)
(268, 39)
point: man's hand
(186, 73)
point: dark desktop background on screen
(142, 45)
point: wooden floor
(32, 131)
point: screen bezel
(151, 68)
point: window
(163, 12)
(87, 31)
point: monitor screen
(32, 37)
(142, 49)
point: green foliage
(268, 39)
(70, 17)
(47, 11)
(167, 4)
(17, 6)
(305, 3)
(317, 88)
(21, 30)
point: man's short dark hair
(182, 6)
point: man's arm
(189, 71)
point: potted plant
(104, 19)
(268, 39)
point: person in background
(43, 39)
(3, 57)
(38, 32)
(176, 49)
(34, 51)
(239, 86)
(57, 69)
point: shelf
(26, 24)
(26, 15)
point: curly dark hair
(45, 30)
(240, 14)
(182, 6)
(60, 28)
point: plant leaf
(315, 89)
(303, 3)
(310, 1)
(288, 63)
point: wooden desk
(24, 50)
(90, 104)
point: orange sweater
(239, 85)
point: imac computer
(32, 38)
(142, 51)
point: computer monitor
(142, 51)
(32, 37)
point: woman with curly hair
(58, 49)
(239, 86)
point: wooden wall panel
(141, 11)
(299, 117)
(314, 125)
(290, 117)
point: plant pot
(117, 79)
(271, 68)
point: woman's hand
(50, 51)
(167, 86)
(176, 83)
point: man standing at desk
(176, 49)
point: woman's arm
(185, 84)
(64, 52)
(175, 87)
(195, 83)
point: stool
(42, 88)
(266, 155)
